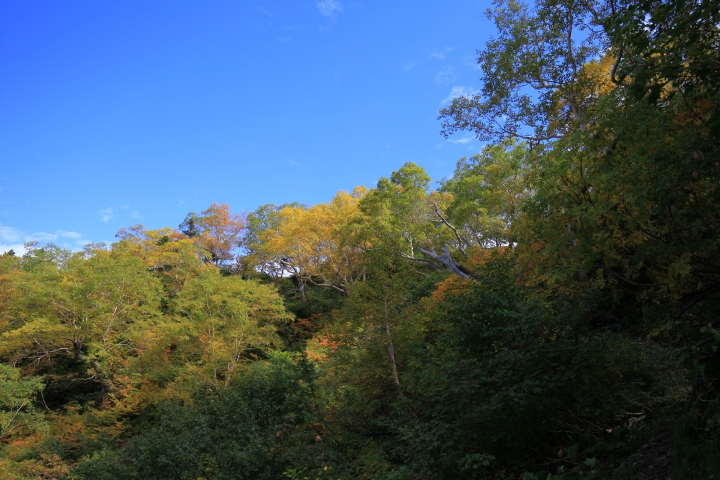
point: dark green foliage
(697, 451)
(517, 377)
(670, 43)
(311, 315)
(232, 433)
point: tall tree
(307, 243)
(532, 72)
(217, 230)
(403, 215)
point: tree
(16, 401)
(509, 377)
(487, 193)
(532, 73)
(249, 430)
(169, 254)
(217, 230)
(225, 322)
(371, 318)
(94, 308)
(307, 243)
(402, 215)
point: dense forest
(551, 311)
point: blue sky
(118, 113)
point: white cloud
(17, 248)
(471, 62)
(135, 214)
(13, 239)
(41, 237)
(461, 141)
(409, 66)
(107, 213)
(52, 237)
(459, 92)
(446, 76)
(9, 234)
(287, 160)
(438, 54)
(439, 146)
(329, 7)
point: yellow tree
(308, 243)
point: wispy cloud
(287, 160)
(472, 62)
(461, 141)
(9, 234)
(440, 54)
(459, 92)
(107, 213)
(17, 248)
(446, 76)
(409, 66)
(14, 239)
(52, 237)
(329, 8)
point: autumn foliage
(543, 313)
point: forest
(550, 311)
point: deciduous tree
(217, 230)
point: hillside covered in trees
(545, 313)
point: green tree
(510, 377)
(534, 86)
(402, 215)
(93, 307)
(224, 322)
(240, 432)
(487, 193)
(17, 398)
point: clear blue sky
(117, 113)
